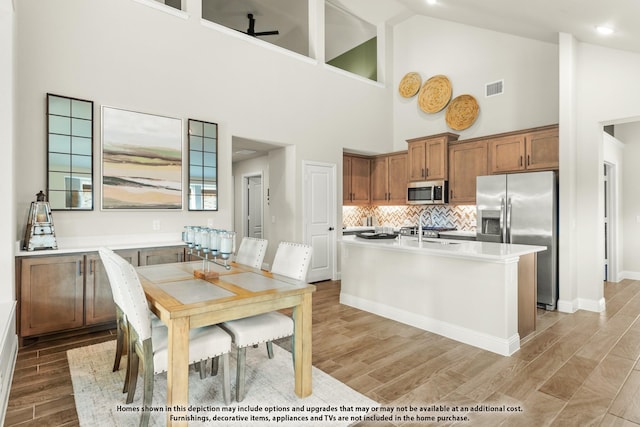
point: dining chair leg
(147, 368)
(214, 366)
(270, 349)
(202, 367)
(133, 374)
(226, 383)
(125, 329)
(240, 373)
(119, 342)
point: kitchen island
(479, 293)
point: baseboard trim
(504, 347)
(631, 275)
(8, 353)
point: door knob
(330, 228)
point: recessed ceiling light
(432, 2)
(604, 30)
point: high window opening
(350, 42)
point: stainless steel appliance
(427, 193)
(523, 208)
(427, 231)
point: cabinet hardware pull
(423, 172)
(520, 160)
(426, 174)
(529, 160)
(79, 268)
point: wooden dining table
(183, 301)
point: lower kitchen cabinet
(61, 293)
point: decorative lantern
(40, 233)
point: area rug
(270, 399)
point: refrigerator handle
(503, 230)
(508, 240)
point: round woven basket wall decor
(462, 112)
(434, 94)
(410, 84)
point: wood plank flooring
(578, 369)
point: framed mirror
(203, 166)
(69, 153)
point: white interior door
(254, 206)
(319, 218)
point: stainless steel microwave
(428, 193)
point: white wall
(125, 54)
(606, 91)
(7, 191)
(613, 155)
(471, 57)
(8, 337)
(630, 135)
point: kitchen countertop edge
(471, 250)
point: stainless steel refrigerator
(523, 208)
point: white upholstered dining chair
(122, 330)
(150, 345)
(251, 251)
(291, 260)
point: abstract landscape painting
(141, 160)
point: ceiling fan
(252, 31)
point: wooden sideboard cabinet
(524, 151)
(427, 157)
(66, 292)
(355, 180)
(389, 179)
(168, 255)
(466, 162)
(51, 294)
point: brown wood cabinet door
(360, 180)
(166, 255)
(397, 179)
(436, 159)
(98, 299)
(507, 154)
(346, 180)
(417, 155)
(51, 294)
(542, 150)
(466, 162)
(380, 180)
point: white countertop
(70, 245)
(488, 251)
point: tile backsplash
(462, 217)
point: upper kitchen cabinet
(466, 162)
(427, 157)
(355, 180)
(389, 179)
(534, 149)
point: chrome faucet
(423, 217)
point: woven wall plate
(434, 94)
(410, 84)
(462, 112)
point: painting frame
(142, 159)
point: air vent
(494, 88)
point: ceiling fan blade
(267, 33)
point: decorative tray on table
(372, 235)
